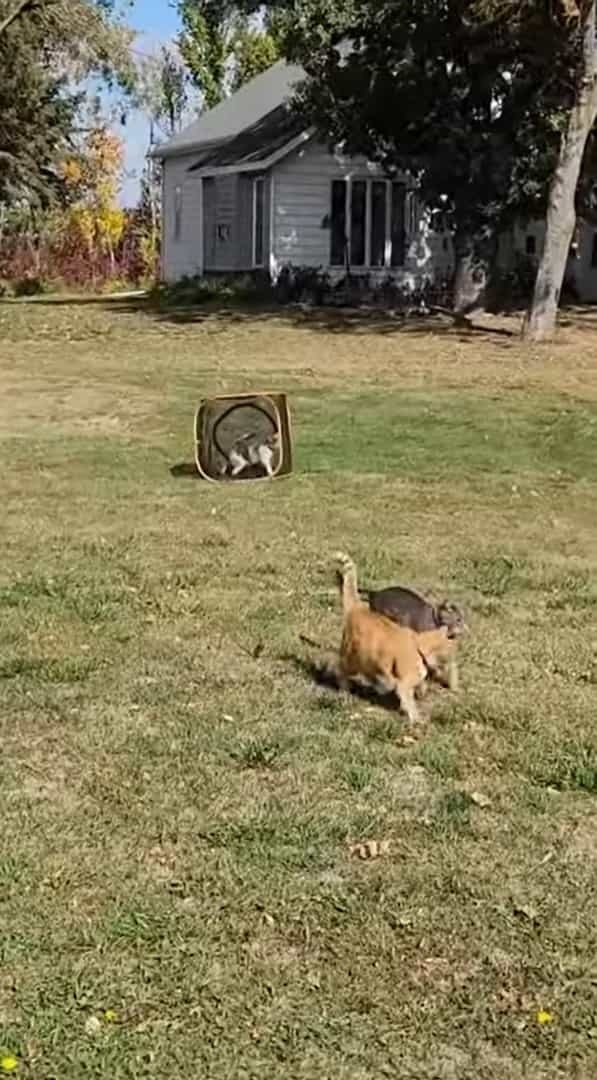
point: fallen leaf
(370, 849)
(480, 800)
(527, 910)
(92, 1025)
(407, 740)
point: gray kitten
(407, 608)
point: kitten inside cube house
(243, 437)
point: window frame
(177, 213)
(258, 180)
(369, 181)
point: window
(358, 222)
(258, 220)
(177, 212)
(398, 234)
(531, 245)
(594, 251)
(368, 223)
(379, 204)
(338, 238)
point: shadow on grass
(189, 471)
(330, 320)
(323, 320)
(319, 673)
(186, 469)
(317, 319)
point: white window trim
(258, 266)
(369, 181)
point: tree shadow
(325, 320)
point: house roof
(257, 100)
(256, 144)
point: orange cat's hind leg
(384, 685)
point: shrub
(302, 284)
(30, 285)
(56, 250)
(249, 288)
(513, 288)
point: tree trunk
(540, 321)
(470, 275)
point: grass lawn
(177, 893)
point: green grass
(179, 798)
(417, 435)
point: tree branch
(20, 9)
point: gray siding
(578, 270)
(245, 222)
(180, 254)
(209, 219)
(302, 205)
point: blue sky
(156, 22)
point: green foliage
(465, 97)
(203, 45)
(162, 90)
(222, 46)
(36, 115)
(45, 54)
(254, 51)
(188, 291)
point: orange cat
(392, 657)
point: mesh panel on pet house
(243, 437)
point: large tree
(447, 89)
(162, 93)
(47, 47)
(577, 120)
(224, 43)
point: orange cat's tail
(347, 573)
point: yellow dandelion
(544, 1017)
(8, 1063)
(110, 1016)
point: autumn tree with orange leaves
(92, 178)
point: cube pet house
(237, 421)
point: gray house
(247, 187)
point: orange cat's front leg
(453, 681)
(446, 674)
(421, 690)
(405, 691)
